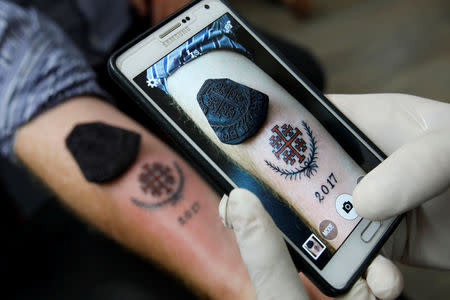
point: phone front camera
(187, 18)
(184, 21)
(206, 6)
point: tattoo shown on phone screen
(295, 152)
(161, 183)
(326, 187)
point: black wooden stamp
(234, 111)
(103, 152)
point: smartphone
(247, 118)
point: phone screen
(251, 117)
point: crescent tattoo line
(176, 196)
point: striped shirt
(40, 64)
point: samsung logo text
(176, 36)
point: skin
(253, 153)
(201, 252)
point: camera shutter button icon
(344, 207)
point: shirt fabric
(218, 35)
(43, 63)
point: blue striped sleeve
(218, 35)
(39, 68)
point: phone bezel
(346, 252)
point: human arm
(199, 249)
(45, 83)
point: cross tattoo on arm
(156, 179)
(164, 182)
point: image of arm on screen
(290, 151)
(215, 78)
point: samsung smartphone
(247, 118)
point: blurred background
(400, 46)
(363, 46)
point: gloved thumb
(414, 173)
(262, 247)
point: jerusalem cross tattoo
(156, 179)
(164, 183)
(289, 145)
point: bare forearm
(184, 236)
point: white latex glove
(413, 132)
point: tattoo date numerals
(325, 188)
(189, 213)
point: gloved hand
(414, 133)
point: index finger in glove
(262, 247)
(390, 120)
(416, 172)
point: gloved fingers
(416, 172)
(390, 120)
(384, 278)
(262, 247)
(383, 281)
(360, 291)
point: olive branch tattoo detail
(309, 165)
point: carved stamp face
(161, 182)
(295, 151)
(234, 111)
